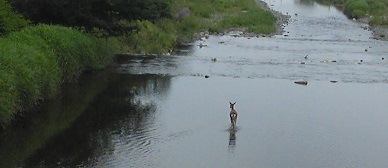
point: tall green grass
(9, 20)
(35, 61)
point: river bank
(281, 19)
(37, 60)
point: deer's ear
(230, 102)
(234, 103)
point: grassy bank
(375, 10)
(192, 17)
(35, 61)
(216, 16)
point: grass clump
(35, 61)
(356, 8)
(376, 10)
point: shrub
(356, 8)
(10, 21)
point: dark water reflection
(123, 113)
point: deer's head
(232, 105)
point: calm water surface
(163, 112)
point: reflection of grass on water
(95, 107)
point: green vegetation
(219, 15)
(148, 26)
(215, 16)
(35, 61)
(149, 38)
(356, 8)
(9, 20)
(377, 10)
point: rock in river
(301, 82)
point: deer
(233, 114)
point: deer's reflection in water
(232, 139)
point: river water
(173, 111)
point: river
(173, 111)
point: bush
(10, 21)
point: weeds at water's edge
(220, 16)
(160, 36)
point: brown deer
(233, 114)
